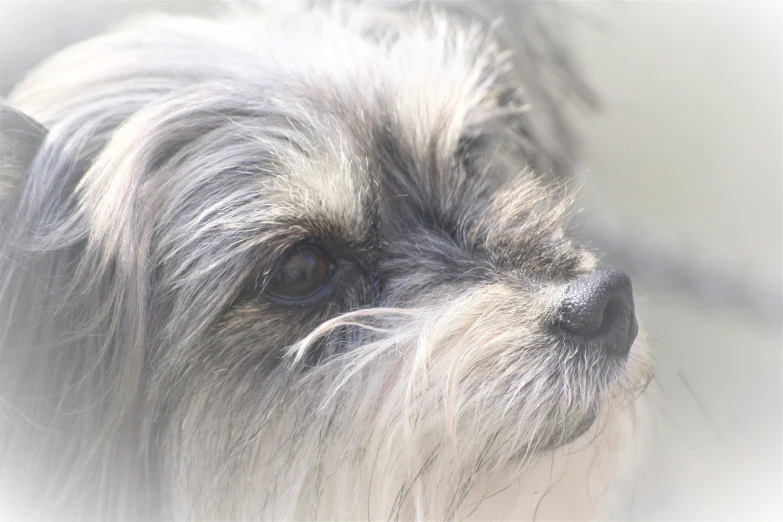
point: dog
(310, 264)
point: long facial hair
(143, 377)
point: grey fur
(143, 373)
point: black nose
(599, 309)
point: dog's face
(331, 268)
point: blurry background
(683, 188)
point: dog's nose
(598, 308)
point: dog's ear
(20, 138)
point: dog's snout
(599, 310)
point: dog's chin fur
(147, 374)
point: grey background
(683, 180)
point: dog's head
(254, 265)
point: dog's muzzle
(597, 311)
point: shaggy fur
(146, 374)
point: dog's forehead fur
(404, 124)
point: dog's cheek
(469, 372)
(258, 326)
(262, 328)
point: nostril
(613, 312)
(600, 306)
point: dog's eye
(301, 275)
